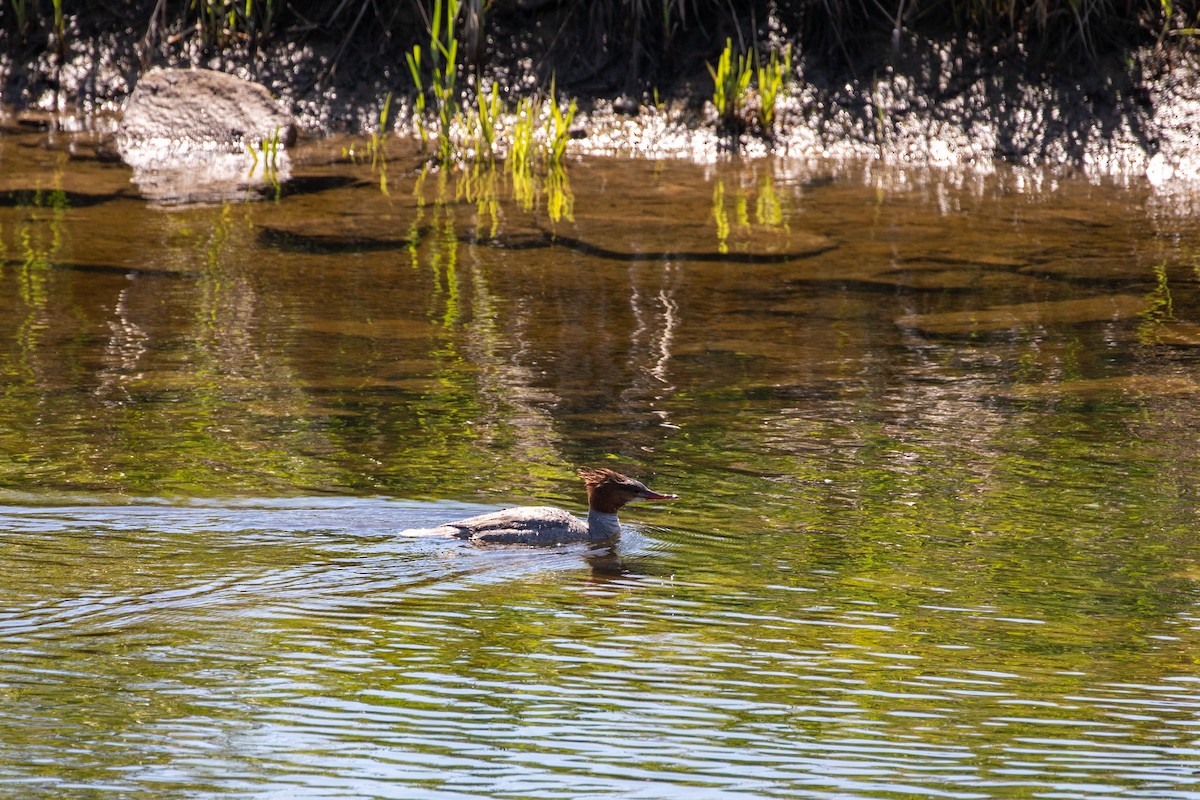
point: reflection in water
(125, 347)
(560, 200)
(485, 185)
(38, 240)
(1159, 308)
(768, 206)
(769, 211)
(656, 318)
(720, 216)
(935, 435)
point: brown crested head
(609, 490)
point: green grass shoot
(731, 84)
(558, 127)
(772, 77)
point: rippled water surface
(936, 436)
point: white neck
(601, 525)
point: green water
(936, 437)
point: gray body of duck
(607, 492)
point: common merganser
(607, 492)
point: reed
(1190, 29)
(270, 151)
(558, 127)
(413, 57)
(521, 150)
(21, 14)
(376, 142)
(260, 20)
(772, 78)
(266, 156)
(378, 137)
(474, 131)
(224, 22)
(60, 38)
(210, 20)
(736, 102)
(731, 85)
(442, 80)
(488, 117)
(444, 49)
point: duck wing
(521, 525)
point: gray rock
(200, 109)
(199, 136)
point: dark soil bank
(934, 85)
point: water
(935, 433)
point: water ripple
(298, 648)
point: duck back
(521, 525)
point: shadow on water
(289, 242)
(35, 198)
(934, 432)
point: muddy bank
(914, 101)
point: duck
(607, 490)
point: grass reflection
(488, 187)
(474, 413)
(39, 242)
(770, 210)
(532, 183)
(480, 185)
(1160, 310)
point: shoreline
(929, 103)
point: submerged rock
(196, 135)
(1174, 332)
(1062, 312)
(1137, 386)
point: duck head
(608, 491)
